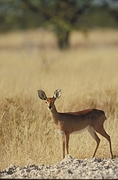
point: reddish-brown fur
(72, 122)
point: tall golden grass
(87, 73)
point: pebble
(68, 168)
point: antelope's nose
(49, 106)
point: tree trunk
(63, 39)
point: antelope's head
(50, 100)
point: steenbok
(76, 122)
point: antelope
(76, 122)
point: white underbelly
(75, 132)
(80, 131)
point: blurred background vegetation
(58, 16)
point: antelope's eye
(46, 102)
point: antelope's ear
(42, 95)
(57, 93)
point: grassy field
(87, 73)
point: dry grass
(88, 77)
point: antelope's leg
(102, 132)
(94, 136)
(63, 143)
(67, 143)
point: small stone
(69, 171)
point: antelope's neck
(55, 114)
